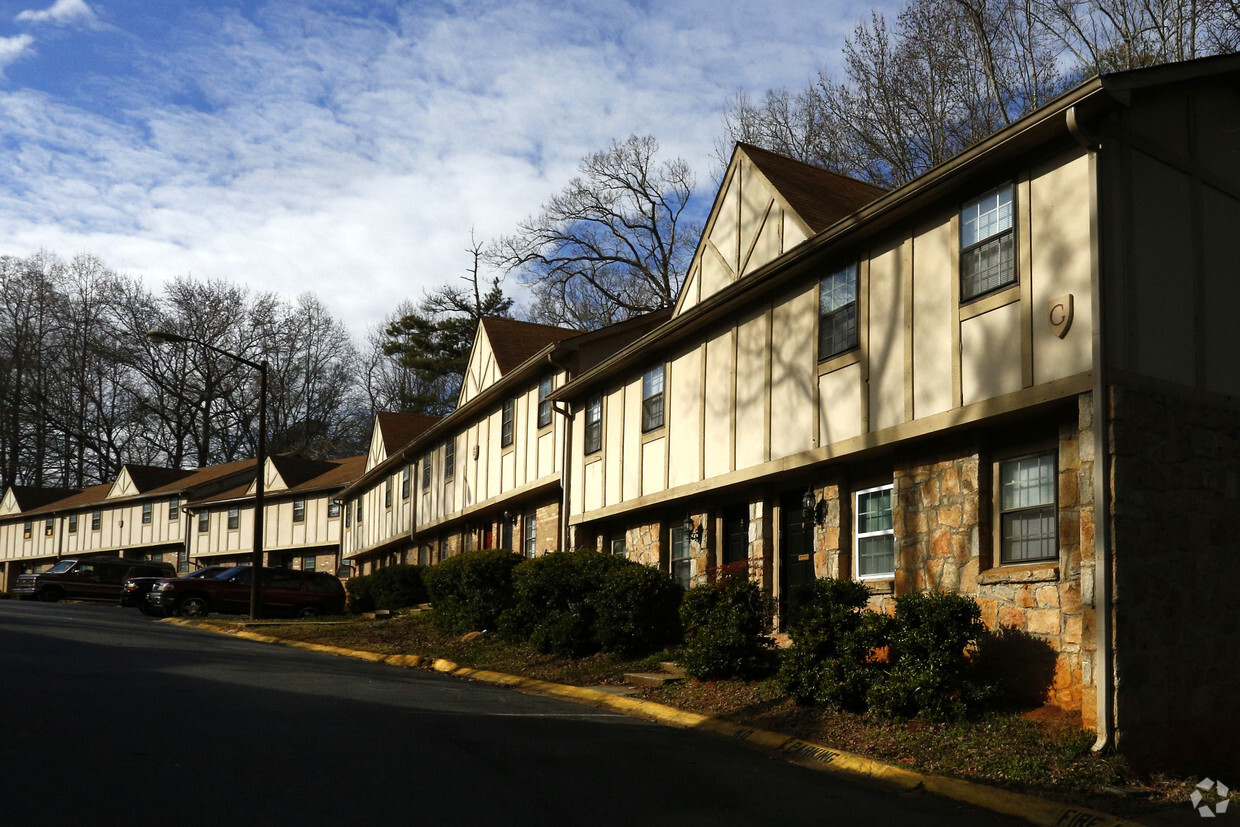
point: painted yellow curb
(1031, 808)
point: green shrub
(361, 593)
(398, 587)
(726, 625)
(930, 674)
(553, 605)
(471, 590)
(832, 661)
(637, 610)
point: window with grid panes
(234, 518)
(681, 559)
(837, 312)
(387, 493)
(73, 518)
(405, 476)
(426, 471)
(204, 521)
(48, 527)
(544, 404)
(506, 420)
(652, 398)
(174, 509)
(529, 537)
(987, 244)
(449, 458)
(96, 520)
(1027, 513)
(333, 507)
(146, 513)
(299, 511)
(594, 424)
(875, 538)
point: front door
(796, 556)
(735, 535)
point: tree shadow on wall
(1019, 665)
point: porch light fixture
(811, 508)
(693, 532)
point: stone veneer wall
(1175, 480)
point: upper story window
(174, 509)
(387, 493)
(544, 404)
(652, 398)
(73, 518)
(204, 521)
(299, 511)
(1027, 509)
(594, 423)
(506, 419)
(348, 514)
(27, 529)
(876, 541)
(359, 510)
(837, 312)
(96, 520)
(48, 526)
(234, 518)
(987, 244)
(426, 471)
(146, 513)
(333, 507)
(404, 483)
(449, 458)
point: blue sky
(347, 147)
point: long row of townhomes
(1015, 377)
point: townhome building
(490, 474)
(378, 504)
(302, 516)
(1011, 378)
(137, 516)
(23, 544)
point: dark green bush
(929, 674)
(726, 625)
(637, 610)
(553, 606)
(832, 661)
(471, 590)
(361, 593)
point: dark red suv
(285, 592)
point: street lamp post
(160, 337)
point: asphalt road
(109, 717)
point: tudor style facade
(1010, 378)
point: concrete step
(673, 669)
(650, 680)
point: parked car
(89, 578)
(284, 592)
(135, 590)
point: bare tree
(612, 244)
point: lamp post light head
(163, 337)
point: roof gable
(500, 345)
(766, 205)
(393, 431)
(18, 498)
(139, 479)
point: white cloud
(61, 13)
(14, 48)
(305, 149)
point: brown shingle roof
(29, 496)
(94, 495)
(399, 429)
(148, 477)
(336, 474)
(514, 341)
(820, 197)
(295, 469)
(204, 476)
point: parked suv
(135, 589)
(284, 592)
(91, 578)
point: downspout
(566, 470)
(1103, 660)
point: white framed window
(96, 519)
(73, 518)
(987, 243)
(204, 521)
(449, 458)
(426, 471)
(307, 562)
(594, 424)
(529, 537)
(681, 559)
(234, 518)
(182, 559)
(48, 527)
(174, 510)
(1027, 511)
(147, 508)
(875, 545)
(299, 511)
(544, 404)
(333, 507)
(652, 399)
(506, 422)
(837, 312)
(404, 483)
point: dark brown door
(796, 555)
(735, 535)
